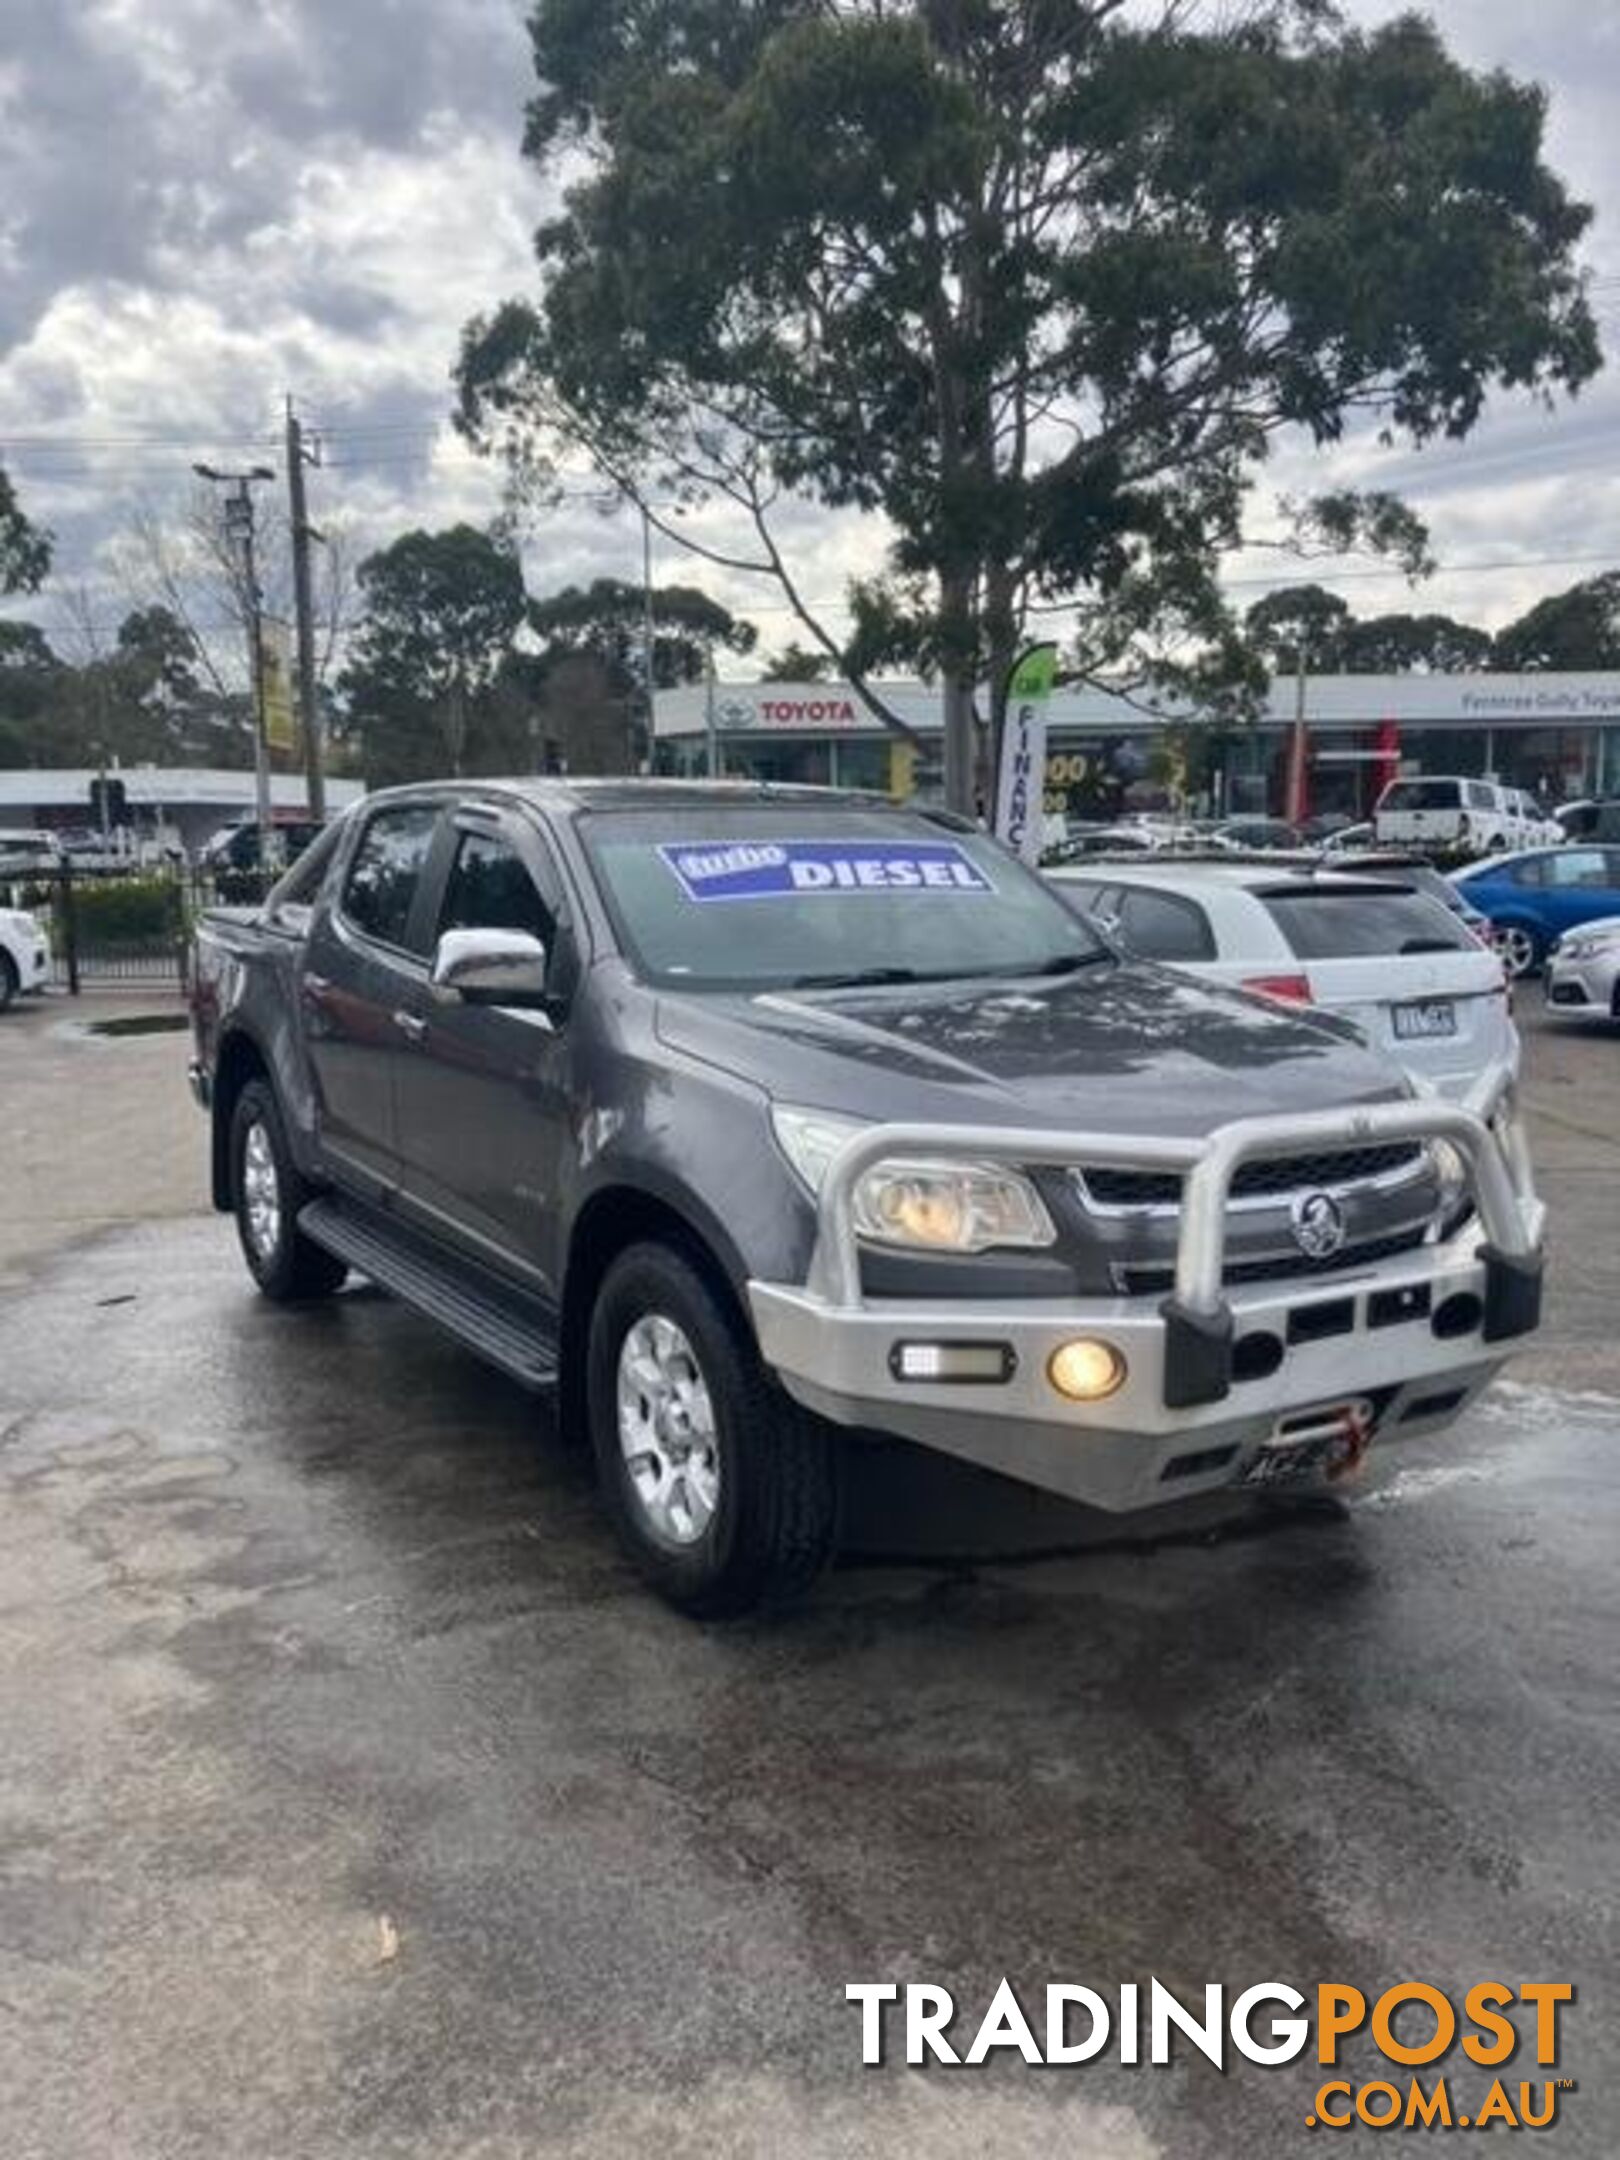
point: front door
(483, 1096)
(363, 966)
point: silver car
(1583, 971)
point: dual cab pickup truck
(751, 1118)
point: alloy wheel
(1518, 949)
(261, 1193)
(667, 1431)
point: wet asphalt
(355, 1799)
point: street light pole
(239, 528)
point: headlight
(950, 1207)
(1587, 944)
(924, 1205)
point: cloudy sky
(206, 204)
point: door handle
(412, 1028)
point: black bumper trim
(1512, 1293)
(1197, 1355)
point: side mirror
(489, 967)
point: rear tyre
(266, 1194)
(1521, 949)
(724, 1493)
(8, 980)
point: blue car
(1535, 896)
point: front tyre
(8, 980)
(723, 1491)
(267, 1193)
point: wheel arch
(240, 1059)
(613, 1218)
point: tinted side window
(1162, 926)
(1359, 925)
(1481, 796)
(387, 869)
(490, 888)
(1577, 866)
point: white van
(1446, 811)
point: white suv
(1446, 810)
(25, 955)
(1414, 979)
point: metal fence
(127, 926)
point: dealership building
(1556, 734)
(180, 805)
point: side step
(479, 1311)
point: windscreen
(783, 895)
(1361, 922)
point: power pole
(647, 626)
(304, 611)
(239, 529)
(1297, 787)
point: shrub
(128, 911)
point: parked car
(1255, 834)
(1589, 820)
(236, 847)
(1535, 826)
(1583, 971)
(1081, 840)
(29, 852)
(1417, 984)
(1451, 814)
(25, 954)
(1539, 894)
(1421, 875)
(745, 1118)
(1349, 837)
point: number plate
(1290, 1462)
(1435, 1016)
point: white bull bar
(1197, 1318)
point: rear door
(1410, 975)
(364, 965)
(483, 1091)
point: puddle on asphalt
(140, 1024)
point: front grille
(1254, 1180)
(1158, 1281)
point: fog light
(982, 1361)
(1086, 1370)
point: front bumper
(1213, 1375)
(1583, 987)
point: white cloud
(204, 206)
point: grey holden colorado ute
(749, 1119)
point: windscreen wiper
(855, 978)
(1066, 963)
